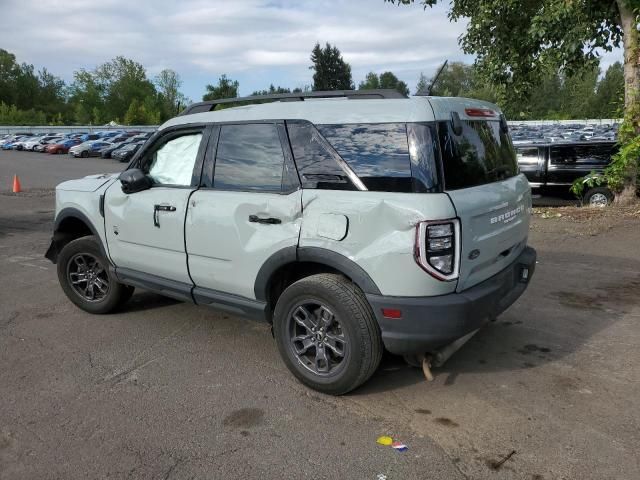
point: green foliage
(11, 115)
(170, 99)
(331, 72)
(422, 85)
(593, 179)
(272, 90)
(385, 80)
(518, 43)
(226, 88)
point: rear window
(481, 154)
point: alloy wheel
(598, 200)
(87, 277)
(316, 338)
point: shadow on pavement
(571, 298)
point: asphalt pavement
(173, 391)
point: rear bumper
(429, 323)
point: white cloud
(257, 41)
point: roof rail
(211, 105)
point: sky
(257, 42)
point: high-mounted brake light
(437, 248)
(480, 112)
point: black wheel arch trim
(58, 239)
(318, 255)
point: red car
(63, 146)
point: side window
(249, 157)
(317, 164)
(377, 153)
(563, 155)
(527, 156)
(173, 162)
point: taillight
(479, 112)
(437, 248)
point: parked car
(33, 141)
(413, 233)
(88, 149)
(89, 136)
(125, 153)
(20, 144)
(552, 168)
(10, 143)
(107, 151)
(62, 146)
(41, 147)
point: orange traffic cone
(16, 184)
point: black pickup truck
(551, 168)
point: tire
(84, 154)
(597, 197)
(70, 260)
(350, 319)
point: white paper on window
(173, 163)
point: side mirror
(134, 180)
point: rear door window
(249, 157)
(481, 154)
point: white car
(351, 225)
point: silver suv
(351, 221)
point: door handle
(270, 221)
(161, 208)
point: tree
(517, 42)
(609, 101)
(422, 85)
(385, 80)
(371, 81)
(331, 72)
(123, 80)
(272, 90)
(168, 83)
(226, 88)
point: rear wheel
(327, 334)
(84, 276)
(84, 154)
(598, 197)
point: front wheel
(84, 276)
(327, 334)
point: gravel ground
(174, 391)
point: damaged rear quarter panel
(380, 234)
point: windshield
(481, 154)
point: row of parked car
(117, 144)
(563, 132)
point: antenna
(435, 79)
